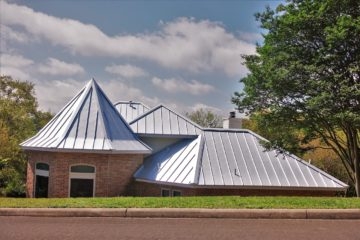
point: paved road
(16, 228)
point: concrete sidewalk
(185, 213)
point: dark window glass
(42, 166)
(82, 169)
(165, 192)
(176, 193)
(81, 187)
(41, 188)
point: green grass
(185, 202)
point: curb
(185, 213)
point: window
(170, 193)
(82, 169)
(165, 192)
(176, 193)
(82, 181)
(42, 166)
(41, 180)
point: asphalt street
(103, 228)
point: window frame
(82, 175)
(41, 173)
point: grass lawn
(184, 202)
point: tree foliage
(19, 119)
(306, 77)
(205, 118)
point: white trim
(43, 173)
(82, 175)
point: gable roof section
(175, 164)
(235, 158)
(163, 121)
(131, 110)
(89, 122)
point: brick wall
(114, 178)
(113, 172)
(150, 189)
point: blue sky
(185, 54)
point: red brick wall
(113, 172)
(150, 189)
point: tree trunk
(356, 149)
(357, 170)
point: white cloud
(250, 37)
(56, 67)
(119, 91)
(14, 72)
(127, 71)
(14, 60)
(54, 94)
(9, 34)
(185, 43)
(179, 85)
(198, 106)
(15, 65)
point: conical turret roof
(90, 123)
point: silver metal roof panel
(235, 158)
(131, 110)
(174, 164)
(89, 122)
(232, 158)
(163, 121)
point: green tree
(205, 118)
(19, 119)
(306, 76)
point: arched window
(82, 181)
(41, 180)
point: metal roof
(175, 164)
(235, 158)
(130, 110)
(89, 122)
(163, 121)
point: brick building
(93, 148)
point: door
(82, 187)
(41, 188)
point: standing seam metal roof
(163, 121)
(235, 158)
(89, 122)
(131, 110)
(176, 163)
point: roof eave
(98, 151)
(154, 135)
(194, 185)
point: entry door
(82, 187)
(41, 188)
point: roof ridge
(166, 107)
(145, 114)
(133, 102)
